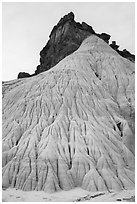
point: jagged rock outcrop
(126, 54)
(65, 38)
(72, 125)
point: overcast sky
(26, 27)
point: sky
(26, 28)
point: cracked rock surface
(72, 126)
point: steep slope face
(72, 125)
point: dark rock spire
(64, 39)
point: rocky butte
(64, 39)
(73, 125)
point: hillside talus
(72, 125)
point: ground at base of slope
(74, 195)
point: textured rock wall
(65, 38)
(72, 125)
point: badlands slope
(72, 126)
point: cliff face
(65, 38)
(72, 125)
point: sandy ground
(75, 195)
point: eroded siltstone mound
(72, 125)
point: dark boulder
(23, 75)
(114, 45)
(105, 37)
